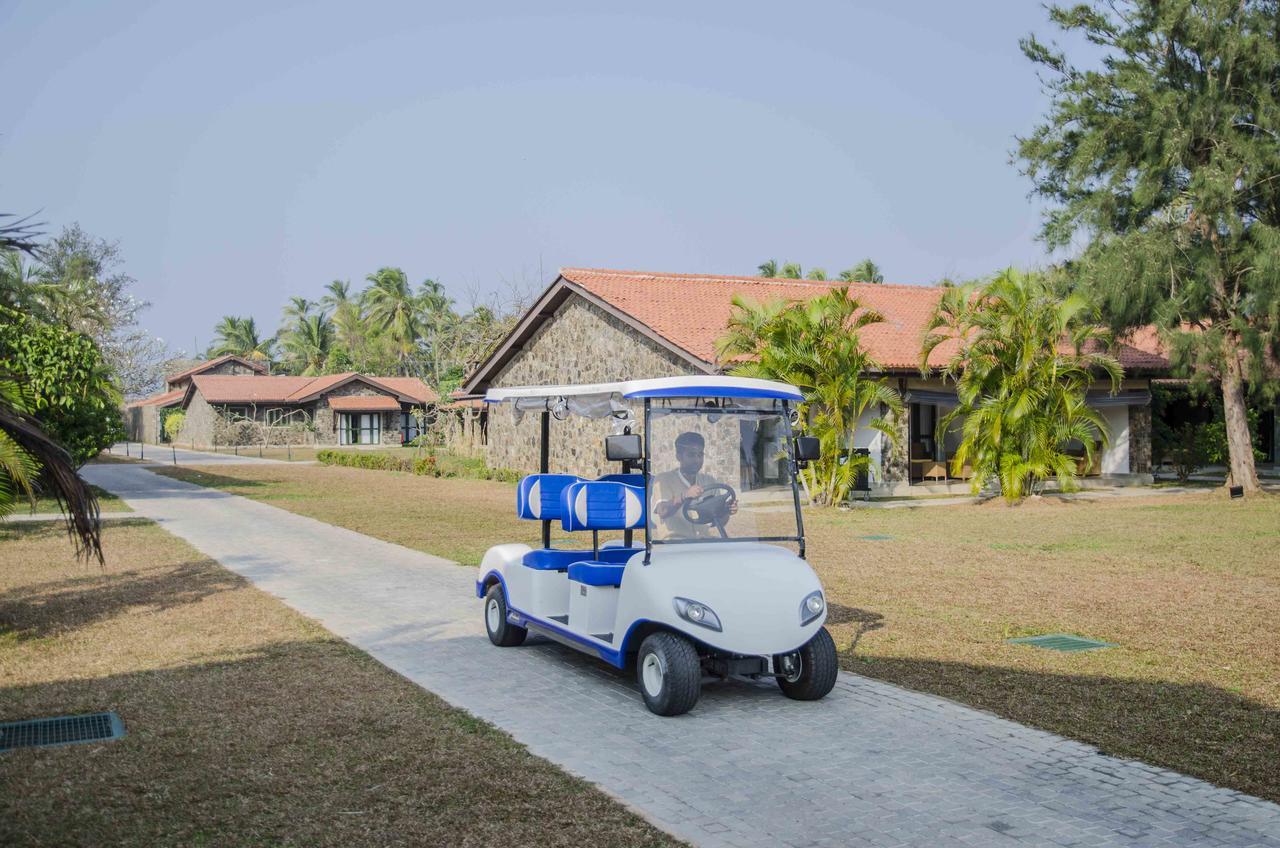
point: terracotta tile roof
(239, 388)
(213, 363)
(365, 403)
(162, 399)
(243, 388)
(410, 387)
(692, 311)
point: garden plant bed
(1185, 585)
(247, 724)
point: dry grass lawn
(1187, 585)
(247, 724)
(107, 502)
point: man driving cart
(686, 492)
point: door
(360, 428)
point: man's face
(690, 459)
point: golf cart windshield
(720, 470)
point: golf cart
(719, 588)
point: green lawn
(247, 724)
(1188, 586)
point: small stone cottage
(231, 400)
(594, 325)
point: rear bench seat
(540, 497)
(602, 505)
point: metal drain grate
(876, 537)
(1061, 642)
(64, 730)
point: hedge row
(431, 465)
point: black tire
(501, 632)
(674, 680)
(818, 669)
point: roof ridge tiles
(730, 278)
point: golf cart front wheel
(816, 675)
(669, 673)
(502, 633)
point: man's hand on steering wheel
(713, 506)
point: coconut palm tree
(1024, 362)
(393, 310)
(819, 274)
(439, 322)
(309, 343)
(239, 336)
(815, 346)
(865, 271)
(768, 268)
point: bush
(1187, 449)
(431, 465)
(174, 421)
(363, 459)
(74, 397)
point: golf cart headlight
(811, 607)
(697, 613)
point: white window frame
(367, 427)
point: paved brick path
(872, 764)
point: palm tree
(815, 346)
(297, 309)
(768, 268)
(239, 336)
(819, 274)
(393, 309)
(865, 271)
(1023, 365)
(792, 271)
(309, 343)
(440, 322)
(27, 453)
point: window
(360, 428)
(409, 429)
(277, 416)
(234, 413)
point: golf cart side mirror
(808, 448)
(625, 448)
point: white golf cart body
(734, 585)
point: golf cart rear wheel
(502, 633)
(669, 673)
(818, 669)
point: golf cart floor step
(603, 637)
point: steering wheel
(711, 507)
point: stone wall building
(595, 325)
(229, 401)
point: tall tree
(393, 309)
(440, 325)
(309, 343)
(1167, 155)
(768, 268)
(1022, 367)
(240, 336)
(814, 345)
(865, 271)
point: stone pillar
(1140, 439)
(897, 464)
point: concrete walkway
(871, 765)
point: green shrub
(430, 465)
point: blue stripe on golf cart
(715, 391)
(614, 657)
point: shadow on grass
(61, 606)
(229, 753)
(200, 478)
(1201, 730)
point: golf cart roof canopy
(661, 387)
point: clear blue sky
(242, 155)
